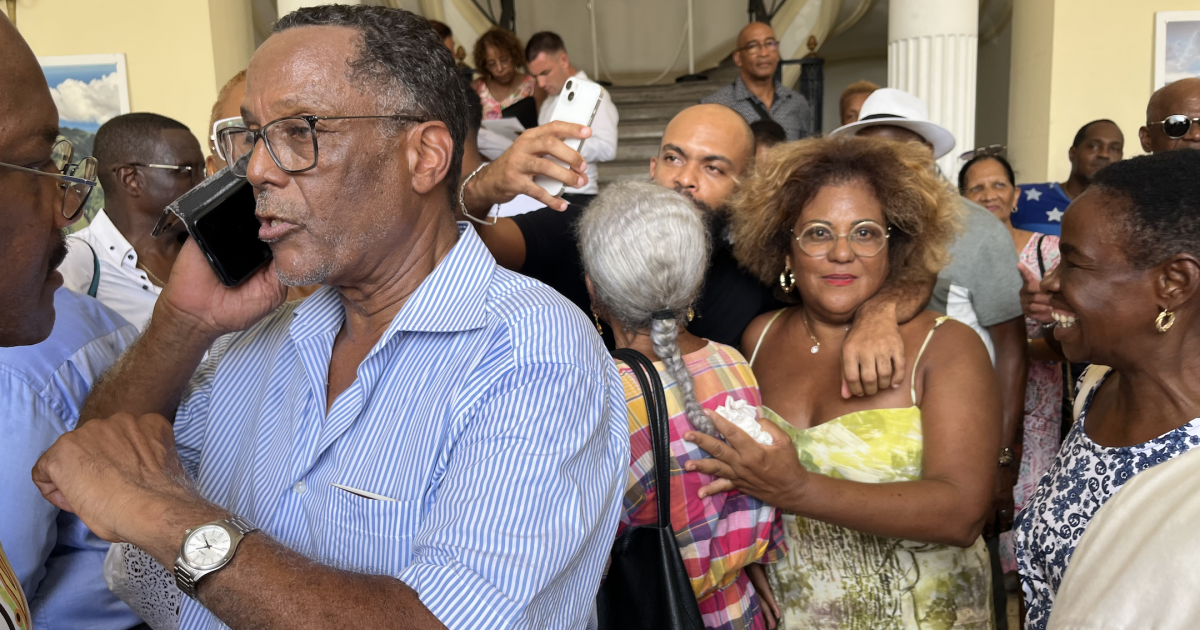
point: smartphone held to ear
(219, 214)
(577, 103)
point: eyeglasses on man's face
(180, 169)
(754, 48)
(1176, 126)
(866, 239)
(75, 180)
(291, 142)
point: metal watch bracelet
(185, 577)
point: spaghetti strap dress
(835, 577)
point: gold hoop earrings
(596, 318)
(787, 280)
(1165, 320)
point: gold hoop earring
(1165, 320)
(691, 314)
(596, 318)
(787, 280)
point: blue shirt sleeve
(527, 507)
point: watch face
(207, 546)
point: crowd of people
(853, 393)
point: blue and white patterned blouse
(1083, 477)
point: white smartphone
(577, 103)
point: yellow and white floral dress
(14, 612)
(834, 577)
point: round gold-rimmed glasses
(76, 180)
(866, 238)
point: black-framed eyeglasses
(1176, 126)
(866, 239)
(754, 48)
(76, 180)
(291, 142)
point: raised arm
(873, 355)
(960, 418)
(192, 312)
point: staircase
(645, 112)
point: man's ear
(653, 166)
(429, 150)
(1071, 153)
(1144, 136)
(130, 179)
(737, 58)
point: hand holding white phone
(577, 103)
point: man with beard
(704, 153)
(1041, 206)
(53, 345)
(426, 441)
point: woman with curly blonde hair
(885, 495)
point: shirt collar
(111, 241)
(741, 91)
(453, 298)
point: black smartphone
(219, 214)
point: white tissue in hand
(745, 417)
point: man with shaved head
(1173, 118)
(705, 152)
(53, 346)
(427, 441)
(756, 94)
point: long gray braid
(645, 249)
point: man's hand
(1034, 302)
(873, 355)
(512, 173)
(194, 294)
(123, 478)
(771, 473)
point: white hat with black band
(897, 108)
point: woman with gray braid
(644, 250)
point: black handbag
(647, 585)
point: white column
(287, 6)
(932, 47)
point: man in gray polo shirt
(756, 95)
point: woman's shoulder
(757, 327)
(945, 338)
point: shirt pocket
(368, 535)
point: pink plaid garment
(719, 535)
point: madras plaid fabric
(718, 535)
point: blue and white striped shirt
(488, 422)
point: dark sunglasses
(1176, 126)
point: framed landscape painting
(1176, 46)
(88, 90)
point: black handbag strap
(656, 415)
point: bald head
(705, 150)
(1179, 98)
(757, 53)
(31, 221)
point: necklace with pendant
(816, 342)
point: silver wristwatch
(207, 549)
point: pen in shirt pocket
(362, 493)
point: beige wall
(1074, 61)
(177, 52)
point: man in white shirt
(546, 57)
(146, 161)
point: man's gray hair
(403, 58)
(645, 248)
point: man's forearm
(268, 586)
(152, 374)
(1012, 373)
(903, 301)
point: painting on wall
(88, 90)
(1176, 46)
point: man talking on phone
(427, 441)
(546, 57)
